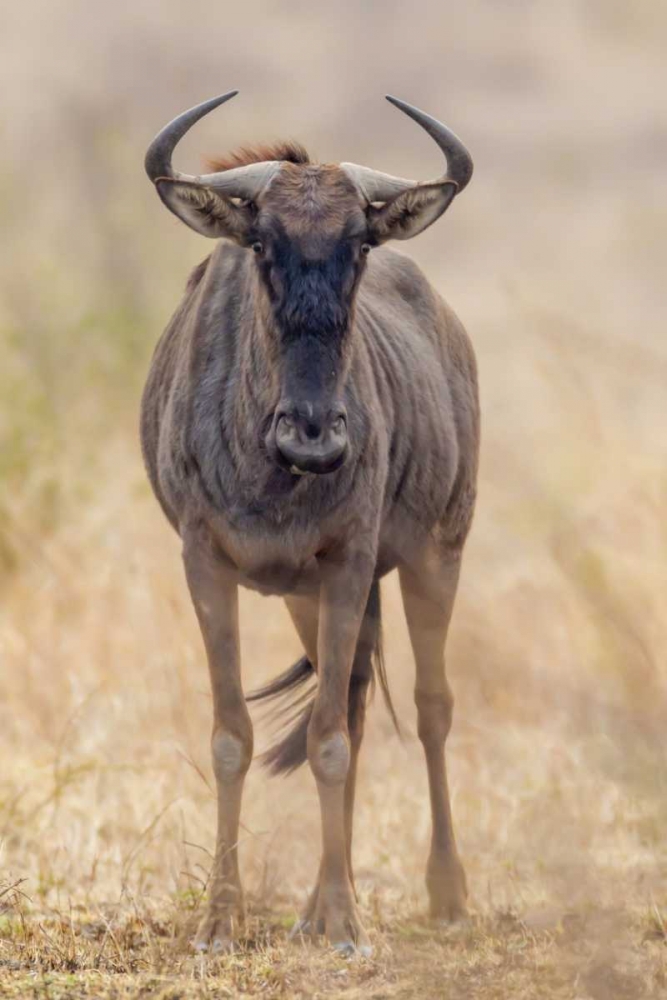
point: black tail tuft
(290, 750)
(296, 675)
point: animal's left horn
(240, 182)
(459, 160)
(377, 186)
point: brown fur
(196, 275)
(280, 333)
(324, 194)
(286, 149)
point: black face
(310, 278)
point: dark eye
(365, 249)
(257, 246)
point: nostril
(310, 425)
(313, 431)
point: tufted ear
(410, 212)
(204, 210)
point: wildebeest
(310, 422)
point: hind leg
(304, 613)
(428, 586)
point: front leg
(346, 581)
(214, 594)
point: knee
(434, 715)
(328, 753)
(232, 753)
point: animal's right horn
(158, 156)
(240, 182)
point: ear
(410, 212)
(205, 211)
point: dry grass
(558, 779)
(558, 759)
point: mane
(291, 152)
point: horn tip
(225, 97)
(403, 106)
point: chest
(269, 556)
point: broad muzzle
(307, 440)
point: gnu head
(309, 228)
(395, 208)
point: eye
(257, 247)
(365, 249)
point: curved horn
(240, 182)
(158, 156)
(377, 186)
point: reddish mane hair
(292, 152)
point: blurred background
(555, 261)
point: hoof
(447, 889)
(332, 912)
(217, 933)
(449, 912)
(348, 949)
(219, 946)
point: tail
(290, 751)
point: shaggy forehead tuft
(288, 150)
